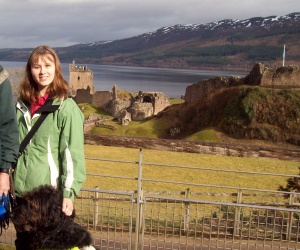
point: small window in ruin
(147, 99)
(78, 78)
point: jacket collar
(50, 106)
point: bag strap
(30, 134)
(37, 124)
(22, 147)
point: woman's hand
(4, 183)
(67, 206)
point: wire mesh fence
(192, 224)
(147, 219)
(108, 215)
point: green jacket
(55, 154)
(9, 136)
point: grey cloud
(62, 23)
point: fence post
(139, 202)
(96, 209)
(187, 211)
(290, 218)
(237, 216)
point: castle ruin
(261, 76)
(133, 106)
(80, 78)
(125, 107)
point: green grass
(176, 101)
(165, 173)
(150, 128)
(206, 135)
(87, 109)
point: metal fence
(142, 219)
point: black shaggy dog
(39, 213)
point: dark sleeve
(9, 136)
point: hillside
(243, 113)
(223, 45)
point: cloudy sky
(29, 23)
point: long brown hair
(59, 88)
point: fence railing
(193, 220)
(147, 219)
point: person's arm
(9, 136)
(72, 152)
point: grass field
(212, 185)
(196, 175)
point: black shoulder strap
(35, 127)
(30, 134)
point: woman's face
(43, 72)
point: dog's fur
(39, 213)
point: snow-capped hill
(187, 31)
(230, 24)
(94, 43)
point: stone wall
(160, 102)
(288, 76)
(101, 99)
(207, 88)
(117, 107)
(140, 111)
(283, 77)
(83, 96)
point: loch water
(172, 82)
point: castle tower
(80, 78)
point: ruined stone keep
(80, 78)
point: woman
(55, 154)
